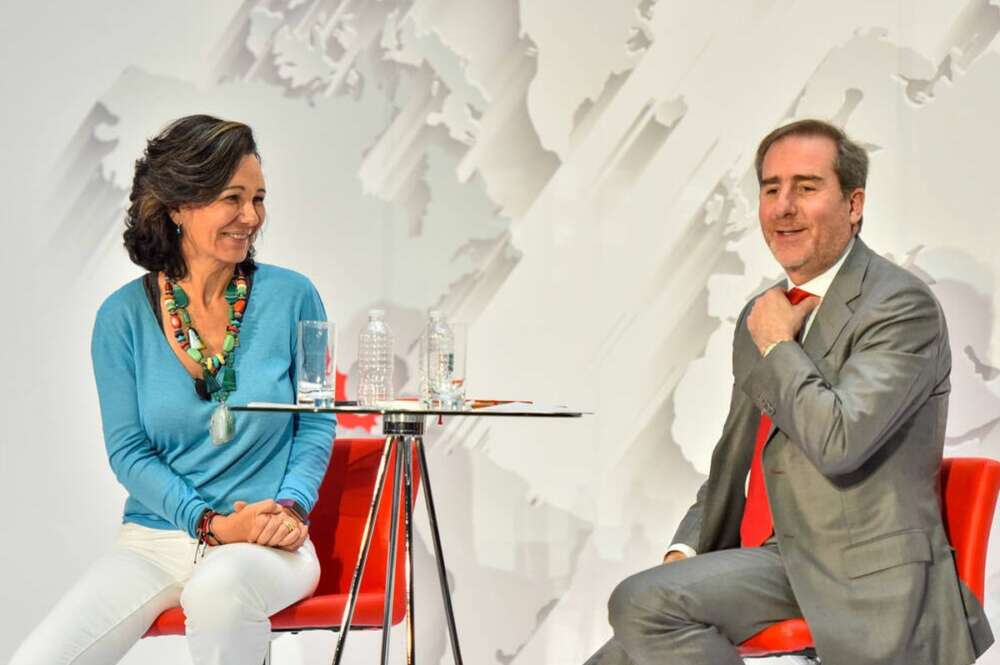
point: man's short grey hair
(850, 165)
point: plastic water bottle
(437, 359)
(375, 360)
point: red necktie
(757, 525)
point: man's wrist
(686, 550)
(770, 347)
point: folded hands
(264, 523)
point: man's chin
(789, 262)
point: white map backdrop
(573, 178)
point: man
(822, 498)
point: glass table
(403, 426)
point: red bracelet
(204, 530)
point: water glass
(316, 362)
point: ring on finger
(290, 526)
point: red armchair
(969, 487)
(336, 527)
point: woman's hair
(188, 163)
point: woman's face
(224, 230)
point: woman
(215, 520)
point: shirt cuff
(770, 347)
(686, 550)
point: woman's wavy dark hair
(188, 163)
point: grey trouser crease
(693, 612)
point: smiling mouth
(235, 236)
(788, 233)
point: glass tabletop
(472, 407)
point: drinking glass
(316, 362)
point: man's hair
(850, 164)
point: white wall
(572, 176)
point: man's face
(805, 218)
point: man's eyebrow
(774, 180)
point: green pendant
(229, 379)
(211, 383)
(195, 354)
(228, 343)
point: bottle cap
(435, 314)
(376, 313)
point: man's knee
(645, 597)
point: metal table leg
(439, 554)
(390, 562)
(404, 428)
(408, 516)
(366, 541)
(404, 431)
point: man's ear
(856, 201)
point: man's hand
(244, 522)
(773, 319)
(674, 555)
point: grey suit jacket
(852, 472)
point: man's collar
(820, 284)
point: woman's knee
(220, 598)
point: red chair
(969, 487)
(336, 526)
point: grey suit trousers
(693, 612)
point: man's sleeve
(689, 531)
(686, 537)
(900, 357)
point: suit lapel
(835, 310)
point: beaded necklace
(218, 371)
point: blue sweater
(156, 426)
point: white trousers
(227, 596)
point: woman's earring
(178, 229)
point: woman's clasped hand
(263, 522)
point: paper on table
(519, 407)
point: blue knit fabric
(156, 426)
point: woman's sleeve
(312, 433)
(134, 461)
